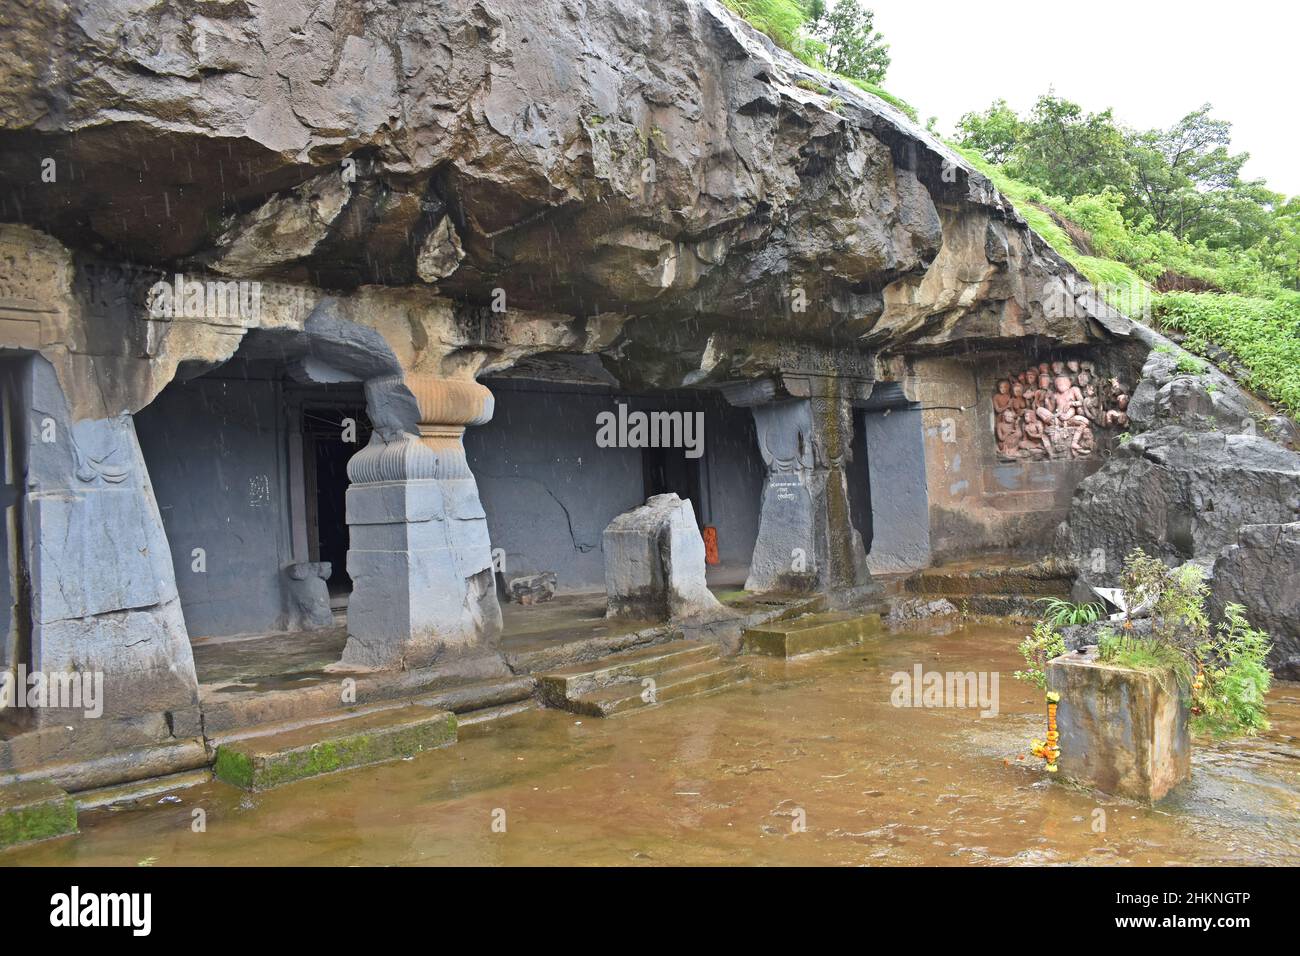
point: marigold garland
(1050, 749)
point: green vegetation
(1063, 613)
(837, 38)
(781, 20)
(1234, 678)
(1221, 669)
(901, 105)
(850, 44)
(1143, 655)
(1037, 649)
(1262, 333)
(1138, 211)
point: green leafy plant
(1037, 649)
(1063, 613)
(1229, 691)
(1221, 670)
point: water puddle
(810, 763)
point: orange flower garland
(1050, 749)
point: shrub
(1037, 649)
(1221, 669)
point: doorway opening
(332, 432)
(15, 613)
(667, 471)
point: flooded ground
(808, 764)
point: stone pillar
(806, 538)
(1123, 731)
(419, 555)
(103, 588)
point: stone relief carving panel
(1057, 410)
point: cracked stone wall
(550, 491)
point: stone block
(810, 634)
(532, 589)
(34, 811)
(420, 565)
(1123, 731)
(654, 563)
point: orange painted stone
(710, 535)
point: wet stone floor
(808, 764)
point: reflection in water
(728, 779)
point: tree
(853, 47)
(995, 132)
(1190, 185)
(1068, 152)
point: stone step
(810, 634)
(479, 720)
(485, 683)
(128, 793)
(35, 810)
(260, 763)
(689, 681)
(561, 686)
(1044, 579)
(996, 605)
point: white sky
(1153, 61)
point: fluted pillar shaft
(419, 556)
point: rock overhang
(672, 170)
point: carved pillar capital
(444, 408)
(447, 406)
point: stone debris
(532, 589)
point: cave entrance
(15, 613)
(670, 471)
(331, 432)
(249, 467)
(550, 482)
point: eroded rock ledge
(651, 176)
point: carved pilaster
(806, 538)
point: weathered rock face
(659, 163)
(1179, 495)
(1262, 572)
(1210, 400)
(1202, 485)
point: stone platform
(1123, 731)
(810, 634)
